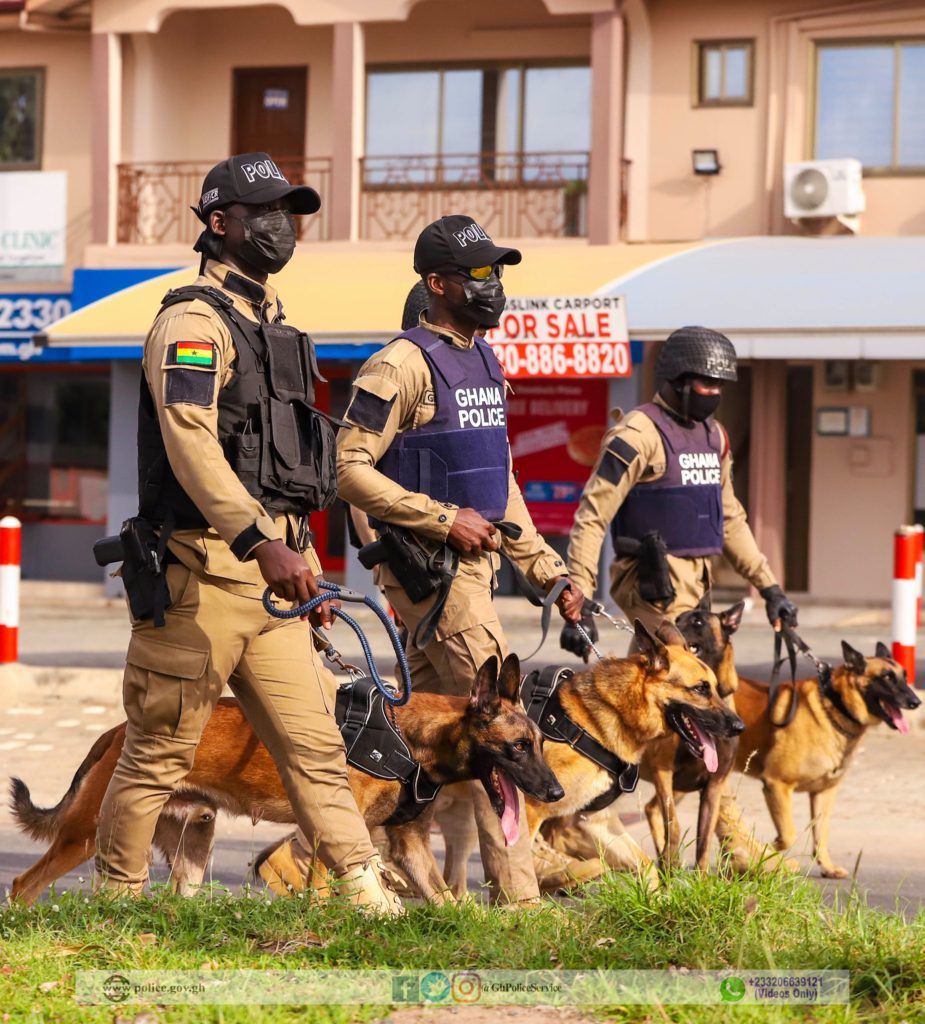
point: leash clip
(599, 611)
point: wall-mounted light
(706, 161)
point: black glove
(779, 606)
(571, 640)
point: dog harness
(375, 745)
(539, 693)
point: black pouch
(655, 583)
(243, 453)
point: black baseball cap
(251, 178)
(457, 241)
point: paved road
(49, 723)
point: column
(348, 126)
(767, 497)
(105, 132)
(607, 42)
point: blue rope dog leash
(343, 594)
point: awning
(789, 297)
(353, 295)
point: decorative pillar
(105, 132)
(348, 126)
(767, 499)
(604, 174)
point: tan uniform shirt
(399, 395)
(189, 426)
(601, 500)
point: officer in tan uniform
(662, 486)
(427, 450)
(227, 476)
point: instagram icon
(466, 987)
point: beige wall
(178, 83)
(862, 490)
(754, 142)
(66, 132)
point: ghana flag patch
(192, 353)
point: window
(870, 104)
(725, 73)
(21, 119)
(471, 124)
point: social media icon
(732, 989)
(467, 987)
(435, 987)
(406, 988)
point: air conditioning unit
(823, 188)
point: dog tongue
(510, 816)
(710, 759)
(896, 716)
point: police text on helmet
(472, 233)
(262, 169)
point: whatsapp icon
(732, 989)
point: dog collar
(539, 693)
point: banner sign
(563, 336)
(24, 315)
(33, 216)
(555, 429)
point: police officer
(228, 472)
(662, 486)
(427, 450)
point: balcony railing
(155, 199)
(520, 195)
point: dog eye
(703, 688)
(521, 746)
(890, 677)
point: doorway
(799, 467)
(269, 111)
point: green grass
(778, 921)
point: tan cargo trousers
(173, 678)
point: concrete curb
(103, 685)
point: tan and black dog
(812, 753)
(626, 704)
(486, 736)
(670, 765)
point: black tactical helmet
(415, 304)
(699, 351)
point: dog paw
(834, 871)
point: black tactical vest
(279, 445)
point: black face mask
(269, 240)
(695, 406)
(484, 301)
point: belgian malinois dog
(812, 753)
(486, 736)
(626, 704)
(670, 764)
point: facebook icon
(406, 988)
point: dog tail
(41, 823)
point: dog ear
(670, 635)
(483, 696)
(652, 649)
(853, 659)
(883, 651)
(705, 604)
(731, 618)
(509, 679)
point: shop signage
(563, 336)
(555, 429)
(33, 215)
(23, 316)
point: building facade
(645, 142)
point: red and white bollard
(920, 556)
(907, 599)
(10, 551)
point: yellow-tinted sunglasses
(481, 273)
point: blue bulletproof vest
(686, 504)
(461, 455)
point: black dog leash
(533, 594)
(794, 643)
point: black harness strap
(539, 693)
(443, 564)
(375, 746)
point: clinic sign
(33, 218)
(563, 336)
